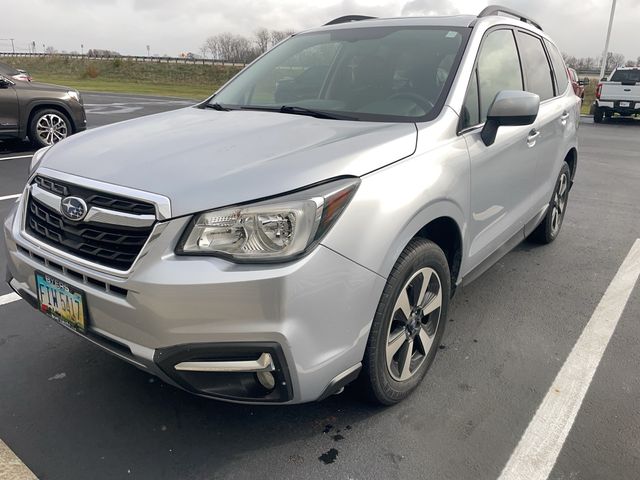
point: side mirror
(509, 108)
(585, 81)
(5, 82)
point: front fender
(394, 203)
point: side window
(559, 68)
(471, 107)
(537, 71)
(498, 68)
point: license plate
(61, 301)
(625, 104)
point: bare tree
(262, 39)
(630, 63)
(278, 35)
(229, 47)
(50, 50)
(570, 60)
(614, 60)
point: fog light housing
(242, 372)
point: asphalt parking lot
(70, 411)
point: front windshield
(372, 73)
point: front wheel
(48, 127)
(409, 323)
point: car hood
(43, 87)
(204, 159)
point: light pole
(603, 64)
(148, 50)
(82, 49)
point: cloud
(171, 27)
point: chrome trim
(72, 259)
(95, 214)
(162, 203)
(112, 217)
(51, 200)
(262, 364)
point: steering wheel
(419, 100)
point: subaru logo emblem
(74, 208)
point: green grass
(195, 92)
(121, 76)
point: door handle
(564, 117)
(533, 136)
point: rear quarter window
(559, 68)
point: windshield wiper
(294, 110)
(314, 113)
(217, 106)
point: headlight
(269, 231)
(75, 95)
(37, 158)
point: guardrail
(128, 58)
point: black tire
(420, 258)
(598, 115)
(59, 121)
(549, 228)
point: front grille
(97, 199)
(112, 246)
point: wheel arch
(572, 160)
(442, 223)
(37, 106)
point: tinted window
(7, 70)
(471, 108)
(498, 68)
(375, 73)
(558, 67)
(626, 76)
(537, 71)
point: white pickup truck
(619, 94)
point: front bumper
(314, 313)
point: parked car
(577, 84)
(14, 73)
(45, 113)
(619, 94)
(250, 250)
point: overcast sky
(174, 26)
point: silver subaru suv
(306, 226)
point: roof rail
(347, 19)
(497, 9)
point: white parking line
(11, 467)
(539, 447)
(9, 298)
(2, 159)
(9, 197)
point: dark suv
(45, 113)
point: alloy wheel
(51, 128)
(559, 203)
(414, 323)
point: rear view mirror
(509, 108)
(5, 82)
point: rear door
(552, 119)
(503, 175)
(8, 109)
